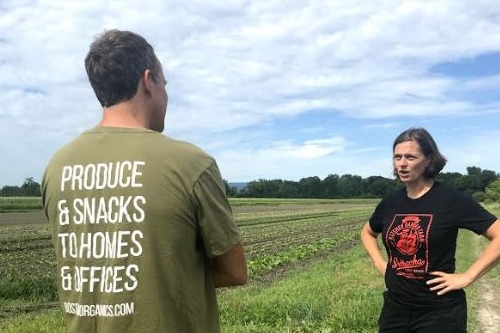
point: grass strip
(49, 321)
(340, 294)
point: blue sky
(272, 89)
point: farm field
(308, 271)
(17, 204)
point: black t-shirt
(420, 237)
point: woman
(419, 226)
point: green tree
(450, 178)
(231, 191)
(310, 187)
(379, 187)
(255, 189)
(492, 192)
(11, 191)
(287, 189)
(350, 186)
(486, 178)
(29, 188)
(330, 186)
(353, 186)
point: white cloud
(308, 150)
(239, 64)
(479, 149)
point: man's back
(135, 219)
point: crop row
(20, 203)
(271, 239)
(279, 238)
(295, 239)
(271, 231)
(259, 218)
(268, 261)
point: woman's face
(409, 162)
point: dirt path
(19, 218)
(489, 304)
(489, 308)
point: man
(141, 225)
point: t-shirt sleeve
(471, 215)
(376, 220)
(218, 227)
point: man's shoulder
(181, 144)
(152, 141)
(66, 148)
(153, 146)
(184, 149)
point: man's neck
(122, 115)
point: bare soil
(20, 218)
(489, 304)
(489, 308)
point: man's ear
(148, 80)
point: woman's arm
(444, 282)
(370, 243)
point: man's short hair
(115, 63)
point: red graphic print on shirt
(407, 238)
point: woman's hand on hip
(445, 282)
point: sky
(273, 89)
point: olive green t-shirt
(136, 218)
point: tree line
(348, 186)
(29, 188)
(482, 184)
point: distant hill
(238, 185)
